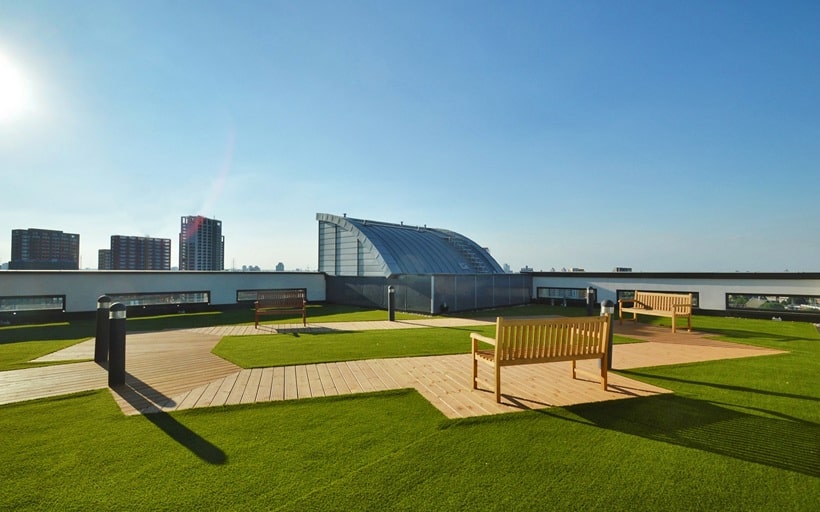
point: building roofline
(685, 275)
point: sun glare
(14, 91)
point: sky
(665, 136)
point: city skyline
(661, 136)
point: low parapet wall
(78, 291)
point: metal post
(608, 309)
(116, 360)
(102, 339)
(391, 303)
(590, 300)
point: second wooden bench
(670, 305)
(281, 302)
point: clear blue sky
(657, 135)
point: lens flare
(15, 97)
(218, 185)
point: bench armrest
(622, 301)
(474, 336)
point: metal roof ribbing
(419, 250)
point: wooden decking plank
(291, 393)
(349, 377)
(302, 382)
(252, 387)
(277, 391)
(335, 371)
(314, 380)
(378, 380)
(386, 372)
(235, 396)
(449, 398)
(208, 394)
(189, 399)
(452, 393)
(467, 403)
(326, 378)
(263, 394)
(426, 387)
(225, 388)
(368, 381)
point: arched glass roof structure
(357, 247)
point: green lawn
(302, 348)
(742, 435)
(19, 344)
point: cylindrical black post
(391, 303)
(590, 300)
(116, 351)
(101, 341)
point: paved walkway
(175, 370)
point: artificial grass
(394, 451)
(263, 350)
(239, 458)
(20, 344)
(739, 434)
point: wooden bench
(670, 305)
(281, 302)
(543, 340)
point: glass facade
(201, 244)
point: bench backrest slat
(549, 337)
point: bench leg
(604, 364)
(497, 383)
(572, 369)
(475, 372)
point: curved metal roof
(418, 250)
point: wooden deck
(175, 370)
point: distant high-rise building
(140, 253)
(104, 259)
(201, 244)
(44, 249)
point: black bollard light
(391, 303)
(116, 351)
(590, 300)
(101, 341)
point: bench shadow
(768, 438)
(528, 403)
(148, 401)
(638, 375)
(294, 330)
